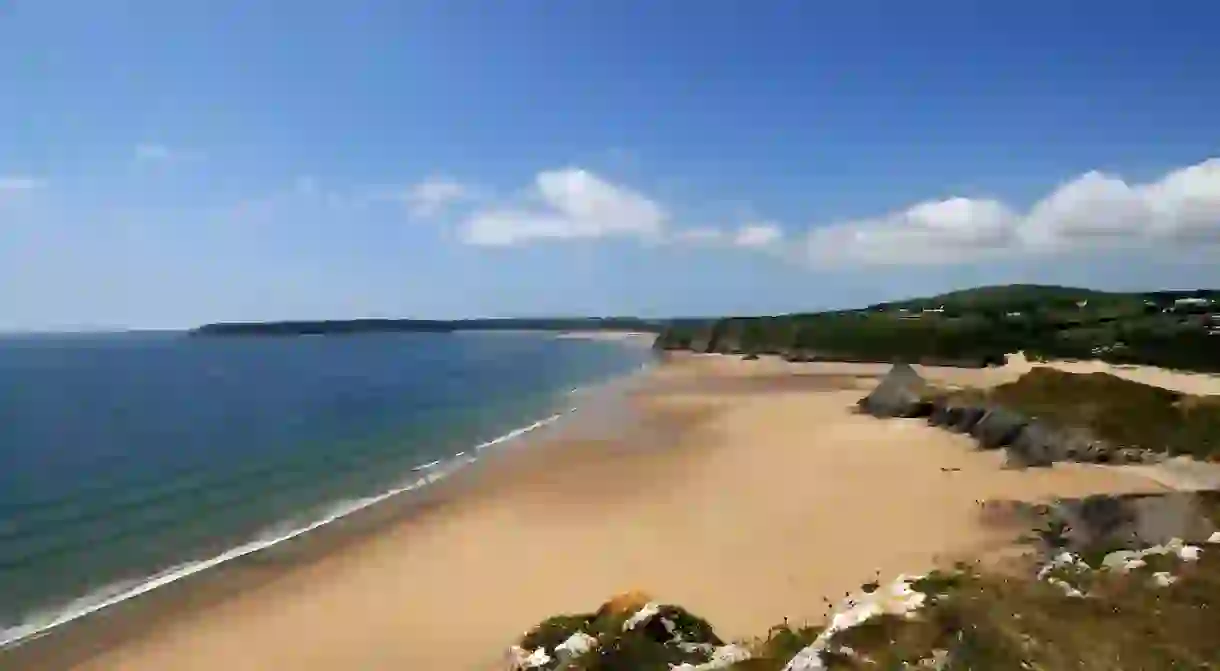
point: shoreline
(305, 541)
(724, 461)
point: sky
(165, 164)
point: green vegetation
(977, 327)
(1123, 413)
(1161, 615)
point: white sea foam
(39, 623)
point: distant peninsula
(354, 326)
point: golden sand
(748, 492)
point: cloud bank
(1092, 212)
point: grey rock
(997, 428)
(1035, 444)
(900, 394)
(942, 412)
(1081, 445)
(967, 417)
(1132, 521)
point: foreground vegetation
(1096, 610)
(977, 327)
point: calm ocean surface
(126, 459)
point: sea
(129, 461)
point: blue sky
(164, 164)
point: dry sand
(746, 491)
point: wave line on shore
(39, 623)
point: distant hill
(1009, 295)
(351, 326)
(978, 326)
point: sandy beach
(747, 491)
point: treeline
(1125, 328)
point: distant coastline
(353, 326)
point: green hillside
(976, 327)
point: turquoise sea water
(128, 460)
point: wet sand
(745, 490)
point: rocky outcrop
(901, 393)
(628, 632)
(1027, 440)
(1118, 521)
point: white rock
(576, 645)
(722, 658)
(1065, 587)
(727, 655)
(1163, 579)
(516, 658)
(1214, 538)
(1190, 553)
(937, 661)
(1126, 560)
(896, 598)
(1062, 560)
(520, 659)
(1121, 560)
(537, 658)
(703, 648)
(641, 616)
(809, 659)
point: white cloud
(1090, 212)
(758, 235)
(433, 195)
(568, 204)
(20, 183)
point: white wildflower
(576, 645)
(641, 616)
(721, 658)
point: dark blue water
(126, 455)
